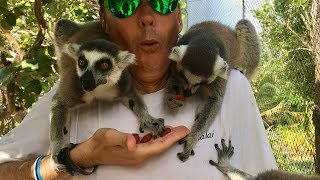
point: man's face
(147, 34)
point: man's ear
(102, 20)
(180, 21)
(126, 58)
(178, 52)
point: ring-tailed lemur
(91, 67)
(233, 173)
(201, 60)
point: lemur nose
(87, 81)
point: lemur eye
(183, 77)
(104, 66)
(202, 83)
(82, 61)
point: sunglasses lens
(125, 8)
(122, 8)
(163, 6)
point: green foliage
(287, 59)
(293, 147)
(31, 77)
(284, 85)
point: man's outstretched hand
(109, 146)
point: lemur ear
(178, 52)
(221, 68)
(126, 58)
(72, 49)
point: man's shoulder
(236, 75)
(238, 84)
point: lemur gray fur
(233, 173)
(201, 63)
(91, 67)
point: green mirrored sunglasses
(125, 8)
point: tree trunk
(316, 54)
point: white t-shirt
(239, 120)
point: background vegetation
(284, 86)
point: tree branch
(11, 53)
(14, 43)
(42, 29)
(305, 43)
(300, 49)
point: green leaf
(6, 76)
(24, 78)
(29, 100)
(4, 24)
(11, 19)
(45, 66)
(28, 4)
(26, 64)
(4, 3)
(52, 9)
(34, 87)
(50, 50)
(3, 10)
(46, 1)
(44, 62)
(17, 11)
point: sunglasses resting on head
(125, 8)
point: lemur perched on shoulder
(201, 62)
(233, 173)
(91, 67)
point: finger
(114, 137)
(131, 142)
(161, 144)
(175, 135)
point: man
(99, 128)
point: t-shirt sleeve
(31, 137)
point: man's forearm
(17, 170)
(25, 170)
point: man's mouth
(149, 46)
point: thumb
(117, 138)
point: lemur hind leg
(224, 165)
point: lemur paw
(174, 101)
(187, 151)
(58, 167)
(224, 156)
(156, 125)
(57, 146)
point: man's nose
(146, 14)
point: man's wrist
(82, 156)
(72, 167)
(47, 170)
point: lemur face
(99, 62)
(197, 68)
